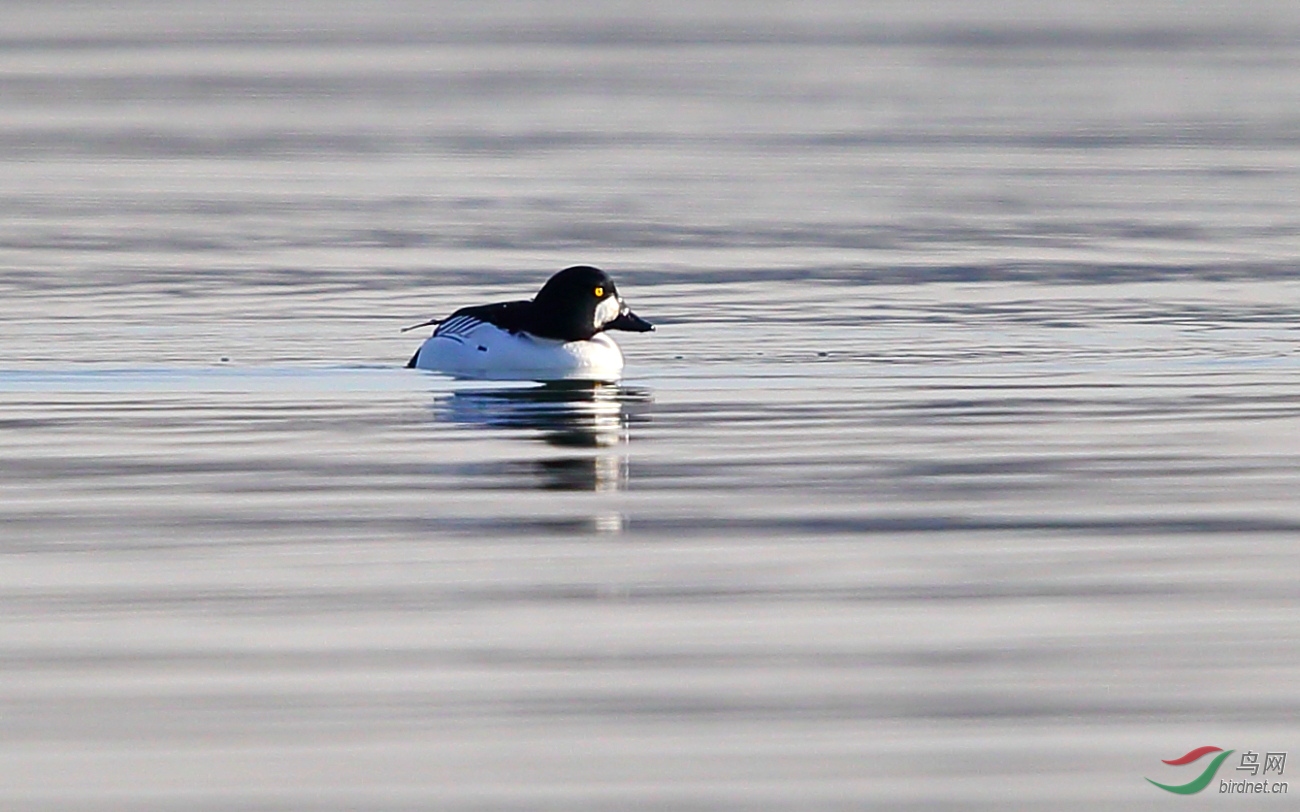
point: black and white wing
(513, 317)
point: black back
(513, 317)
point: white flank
(476, 349)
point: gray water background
(961, 473)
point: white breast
(469, 348)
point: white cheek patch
(606, 311)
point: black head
(579, 302)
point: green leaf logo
(1201, 781)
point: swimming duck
(558, 334)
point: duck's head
(581, 301)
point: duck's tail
(428, 323)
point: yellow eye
(599, 292)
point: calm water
(961, 472)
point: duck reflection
(573, 415)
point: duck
(559, 334)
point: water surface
(960, 472)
